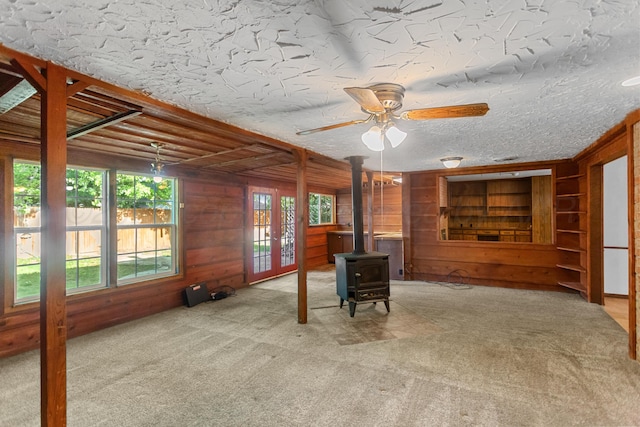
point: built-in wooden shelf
(576, 176)
(570, 195)
(571, 227)
(571, 231)
(573, 285)
(578, 250)
(570, 212)
(572, 267)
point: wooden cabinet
(490, 235)
(469, 235)
(500, 210)
(571, 228)
(338, 243)
(455, 234)
(507, 235)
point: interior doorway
(271, 250)
(616, 240)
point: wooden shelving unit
(509, 197)
(571, 228)
(468, 199)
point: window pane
(83, 272)
(84, 259)
(143, 248)
(326, 209)
(27, 281)
(163, 238)
(25, 213)
(26, 195)
(320, 208)
(28, 265)
(126, 240)
(164, 213)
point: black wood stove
(361, 276)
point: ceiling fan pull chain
(381, 196)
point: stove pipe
(356, 201)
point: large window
(320, 209)
(85, 251)
(145, 228)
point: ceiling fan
(381, 101)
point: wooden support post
(302, 214)
(370, 193)
(53, 315)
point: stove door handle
(358, 275)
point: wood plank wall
(213, 236)
(317, 248)
(513, 265)
(387, 208)
(212, 247)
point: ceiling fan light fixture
(451, 162)
(373, 139)
(395, 135)
(157, 166)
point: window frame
(108, 235)
(333, 209)
(173, 226)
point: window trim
(333, 209)
(174, 225)
(109, 253)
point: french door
(272, 224)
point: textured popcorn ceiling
(549, 70)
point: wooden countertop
(389, 235)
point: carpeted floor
(444, 355)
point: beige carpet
(444, 355)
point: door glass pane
(287, 231)
(261, 232)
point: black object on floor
(196, 293)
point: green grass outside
(88, 274)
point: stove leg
(341, 302)
(386, 304)
(352, 308)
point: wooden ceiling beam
(99, 124)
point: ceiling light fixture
(451, 162)
(374, 137)
(633, 81)
(157, 166)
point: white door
(616, 233)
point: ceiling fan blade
(366, 98)
(451, 111)
(338, 125)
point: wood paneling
(387, 208)
(509, 264)
(541, 209)
(213, 253)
